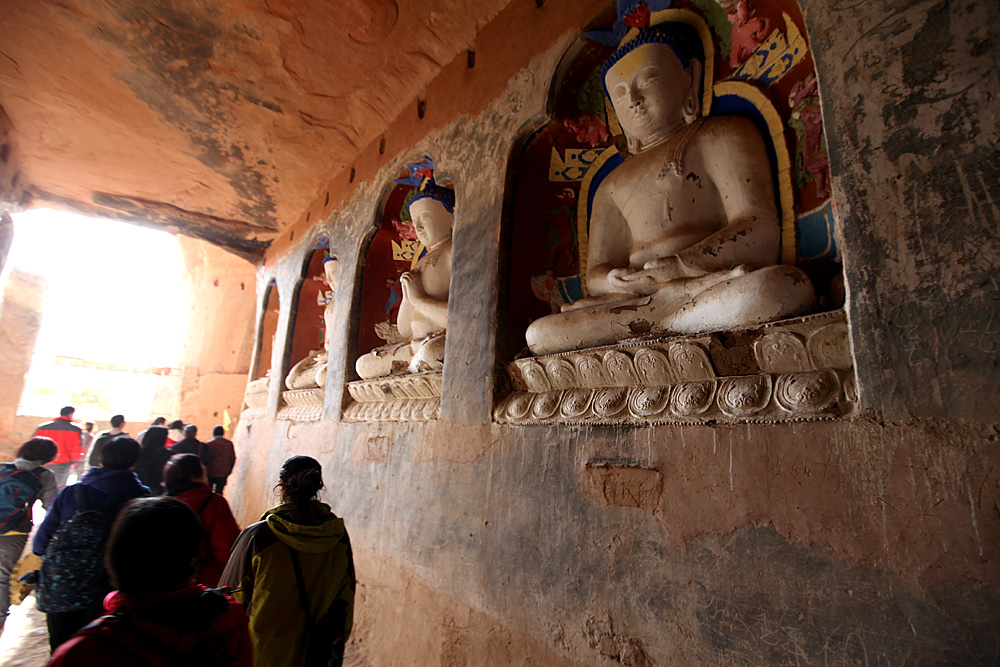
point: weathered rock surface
(219, 120)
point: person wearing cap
(293, 609)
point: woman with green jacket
(294, 573)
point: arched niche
(549, 166)
(759, 66)
(307, 340)
(392, 250)
(257, 388)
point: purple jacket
(100, 483)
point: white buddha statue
(330, 278)
(423, 311)
(684, 235)
(311, 371)
(308, 373)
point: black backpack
(73, 575)
(18, 491)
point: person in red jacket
(69, 441)
(159, 615)
(184, 477)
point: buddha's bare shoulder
(727, 130)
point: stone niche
(403, 388)
(302, 394)
(255, 399)
(759, 68)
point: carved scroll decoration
(798, 369)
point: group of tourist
(128, 578)
(158, 442)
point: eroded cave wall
(871, 540)
(221, 303)
(911, 90)
(20, 321)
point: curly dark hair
(39, 449)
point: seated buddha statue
(308, 373)
(684, 234)
(423, 311)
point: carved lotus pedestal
(301, 405)
(400, 398)
(797, 369)
(254, 404)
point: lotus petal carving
(609, 402)
(653, 367)
(690, 362)
(693, 398)
(546, 404)
(744, 395)
(648, 401)
(781, 352)
(535, 377)
(591, 370)
(619, 369)
(575, 403)
(807, 393)
(562, 374)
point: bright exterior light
(116, 302)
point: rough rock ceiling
(216, 118)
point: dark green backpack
(73, 575)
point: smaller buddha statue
(330, 277)
(684, 234)
(308, 373)
(311, 371)
(260, 385)
(423, 311)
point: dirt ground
(25, 641)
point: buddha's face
(431, 221)
(648, 88)
(330, 272)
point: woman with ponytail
(294, 573)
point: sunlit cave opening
(113, 317)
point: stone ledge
(782, 371)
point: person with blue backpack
(22, 482)
(73, 581)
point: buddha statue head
(654, 83)
(431, 211)
(330, 272)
